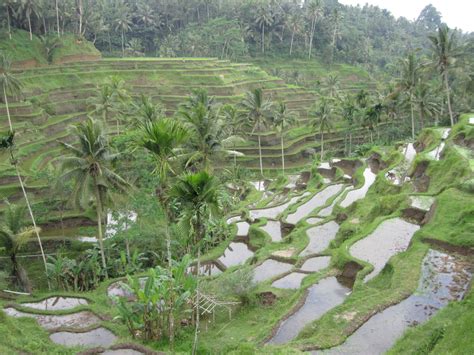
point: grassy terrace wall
(55, 97)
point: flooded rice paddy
(354, 195)
(236, 253)
(444, 278)
(273, 212)
(316, 264)
(94, 338)
(56, 303)
(273, 228)
(321, 297)
(392, 236)
(269, 269)
(290, 281)
(316, 201)
(320, 237)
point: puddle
(314, 220)
(423, 203)
(389, 238)
(273, 228)
(236, 253)
(292, 280)
(445, 133)
(354, 195)
(242, 229)
(77, 320)
(409, 152)
(269, 269)
(316, 264)
(292, 180)
(444, 278)
(320, 237)
(316, 201)
(273, 212)
(325, 165)
(118, 290)
(94, 338)
(325, 212)
(322, 297)
(56, 303)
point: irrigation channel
(444, 277)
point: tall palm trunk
(313, 27)
(57, 17)
(322, 145)
(263, 38)
(198, 238)
(80, 18)
(260, 154)
(8, 23)
(123, 44)
(291, 43)
(8, 109)
(282, 155)
(350, 142)
(29, 25)
(99, 226)
(448, 96)
(412, 117)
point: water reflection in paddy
(444, 278)
(94, 338)
(323, 296)
(316, 201)
(273, 212)
(316, 264)
(236, 253)
(292, 281)
(273, 228)
(269, 269)
(320, 237)
(354, 195)
(389, 238)
(56, 303)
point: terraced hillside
(55, 96)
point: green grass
(20, 47)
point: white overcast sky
(456, 13)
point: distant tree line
(228, 29)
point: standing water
(354, 195)
(444, 278)
(323, 296)
(320, 237)
(273, 229)
(236, 253)
(389, 238)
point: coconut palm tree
(119, 95)
(29, 8)
(89, 167)
(445, 52)
(162, 138)
(295, 24)
(314, 12)
(103, 104)
(146, 111)
(426, 101)
(323, 120)
(123, 23)
(349, 111)
(200, 197)
(410, 77)
(10, 85)
(8, 5)
(257, 110)
(282, 119)
(14, 235)
(264, 18)
(234, 124)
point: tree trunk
(8, 23)
(44, 26)
(282, 155)
(412, 118)
(322, 145)
(446, 83)
(29, 25)
(313, 25)
(57, 17)
(123, 44)
(350, 142)
(80, 17)
(291, 43)
(99, 226)
(260, 155)
(263, 38)
(6, 106)
(422, 118)
(196, 330)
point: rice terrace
(234, 177)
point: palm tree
(283, 118)
(57, 17)
(234, 124)
(162, 138)
(8, 6)
(14, 235)
(200, 197)
(427, 102)
(336, 19)
(372, 117)
(257, 109)
(146, 110)
(294, 23)
(348, 111)
(410, 77)
(119, 96)
(314, 11)
(323, 120)
(11, 86)
(89, 167)
(445, 51)
(123, 23)
(332, 86)
(103, 104)
(264, 19)
(28, 7)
